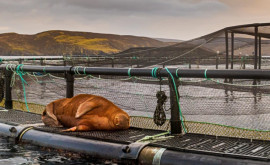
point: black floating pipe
(236, 74)
(95, 148)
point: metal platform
(192, 143)
(221, 146)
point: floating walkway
(135, 145)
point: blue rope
(177, 98)
(1, 60)
(20, 72)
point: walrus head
(49, 121)
(121, 121)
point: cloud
(3, 28)
(180, 19)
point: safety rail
(172, 74)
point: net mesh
(234, 108)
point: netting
(221, 107)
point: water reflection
(27, 154)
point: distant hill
(69, 43)
(168, 40)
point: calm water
(27, 154)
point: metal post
(112, 62)
(244, 61)
(189, 65)
(70, 85)
(41, 62)
(256, 48)
(217, 62)
(175, 116)
(8, 94)
(232, 49)
(227, 49)
(260, 52)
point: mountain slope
(67, 43)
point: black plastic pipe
(236, 74)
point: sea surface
(28, 154)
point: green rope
(84, 71)
(177, 98)
(176, 73)
(20, 72)
(44, 70)
(154, 72)
(1, 60)
(129, 72)
(156, 137)
(206, 75)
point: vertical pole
(227, 49)
(41, 62)
(256, 48)
(260, 52)
(70, 85)
(176, 127)
(244, 61)
(232, 49)
(189, 63)
(217, 62)
(112, 62)
(8, 94)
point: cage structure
(230, 103)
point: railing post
(217, 62)
(8, 95)
(112, 62)
(70, 84)
(227, 49)
(41, 61)
(176, 127)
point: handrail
(191, 73)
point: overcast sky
(176, 19)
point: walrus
(85, 112)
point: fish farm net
(220, 107)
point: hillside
(69, 43)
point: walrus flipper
(49, 111)
(85, 107)
(78, 128)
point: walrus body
(85, 112)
